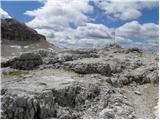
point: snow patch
(15, 46)
(26, 46)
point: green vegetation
(15, 73)
(140, 54)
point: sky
(90, 23)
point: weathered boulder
(135, 49)
(151, 77)
(88, 68)
(67, 113)
(116, 67)
(21, 106)
(44, 52)
(72, 55)
(26, 61)
(107, 113)
(143, 75)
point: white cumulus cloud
(53, 20)
(126, 10)
(58, 14)
(4, 14)
(142, 35)
(93, 31)
(89, 35)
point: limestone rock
(89, 68)
(107, 114)
(138, 50)
(27, 61)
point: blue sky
(97, 18)
(16, 9)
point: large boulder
(135, 49)
(143, 75)
(88, 68)
(27, 61)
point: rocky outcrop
(71, 55)
(73, 102)
(27, 61)
(138, 50)
(89, 68)
(143, 75)
(12, 29)
(51, 57)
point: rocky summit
(14, 30)
(16, 37)
(110, 82)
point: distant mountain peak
(14, 30)
(16, 37)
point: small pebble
(138, 92)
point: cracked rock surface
(111, 83)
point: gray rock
(107, 114)
(151, 77)
(89, 68)
(71, 55)
(135, 49)
(138, 92)
(143, 75)
(16, 31)
(27, 61)
(112, 45)
(67, 113)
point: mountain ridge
(17, 37)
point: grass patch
(140, 54)
(15, 73)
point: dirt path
(144, 99)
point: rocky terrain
(110, 82)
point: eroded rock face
(134, 50)
(73, 101)
(89, 68)
(71, 55)
(143, 75)
(20, 107)
(26, 61)
(16, 31)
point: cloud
(135, 29)
(47, 32)
(4, 14)
(93, 31)
(89, 35)
(92, 35)
(58, 14)
(126, 10)
(141, 35)
(53, 20)
(131, 34)
(130, 14)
